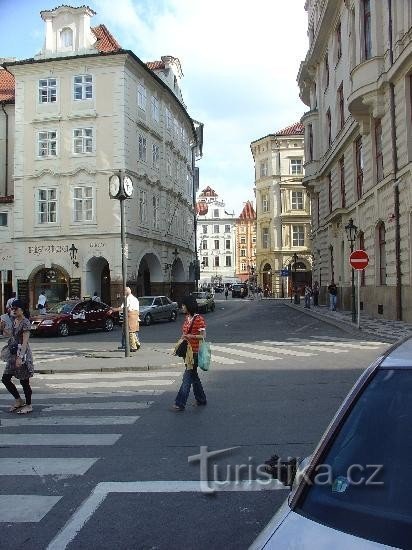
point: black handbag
(181, 349)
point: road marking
(126, 384)
(275, 350)
(242, 353)
(343, 340)
(67, 421)
(88, 395)
(90, 505)
(109, 375)
(348, 345)
(51, 359)
(45, 466)
(58, 440)
(308, 347)
(120, 405)
(25, 508)
(225, 360)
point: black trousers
(25, 384)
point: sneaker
(175, 408)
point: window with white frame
(228, 261)
(142, 148)
(47, 90)
(175, 126)
(215, 213)
(47, 141)
(82, 140)
(298, 235)
(243, 252)
(83, 204)
(3, 219)
(228, 244)
(142, 206)
(155, 109)
(253, 239)
(155, 203)
(265, 203)
(83, 87)
(215, 229)
(47, 205)
(169, 120)
(263, 168)
(216, 244)
(227, 228)
(243, 266)
(216, 261)
(141, 96)
(66, 38)
(155, 155)
(296, 166)
(204, 245)
(297, 200)
(265, 237)
(242, 240)
(204, 228)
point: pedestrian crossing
(76, 417)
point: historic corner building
(71, 116)
(356, 81)
(283, 220)
(246, 244)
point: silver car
(355, 490)
(156, 308)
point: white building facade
(85, 109)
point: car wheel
(147, 319)
(108, 325)
(173, 316)
(63, 329)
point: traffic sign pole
(359, 281)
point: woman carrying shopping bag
(193, 331)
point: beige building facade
(85, 109)
(246, 244)
(356, 81)
(283, 222)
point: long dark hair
(190, 303)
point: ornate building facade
(246, 244)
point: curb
(69, 370)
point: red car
(74, 316)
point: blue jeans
(332, 301)
(190, 377)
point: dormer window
(66, 38)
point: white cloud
(240, 62)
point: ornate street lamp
(351, 232)
(295, 287)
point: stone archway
(267, 279)
(98, 278)
(54, 281)
(149, 275)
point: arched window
(381, 253)
(66, 38)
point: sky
(239, 59)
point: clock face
(128, 186)
(114, 186)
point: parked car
(157, 308)
(205, 301)
(74, 316)
(363, 499)
(239, 290)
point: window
(47, 205)
(155, 203)
(3, 219)
(215, 213)
(82, 140)
(242, 240)
(142, 148)
(265, 203)
(329, 127)
(341, 106)
(326, 70)
(83, 87)
(359, 167)
(297, 200)
(254, 239)
(339, 41)
(48, 90)
(310, 142)
(216, 244)
(47, 144)
(141, 96)
(204, 228)
(298, 235)
(216, 261)
(228, 261)
(169, 120)
(83, 204)
(142, 206)
(215, 229)
(381, 235)
(378, 150)
(227, 244)
(296, 166)
(342, 182)
(263, 168)
(243, 253)
(155, 155)
(367, 38)
(155, 109)
(265, 237)
(330, 200)
(227, 228)
(205, 261)
(243, 266)
(204, 245)
(66, 38)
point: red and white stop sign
(359, 259)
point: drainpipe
(197, 263)
(7, 149)
(398, 294)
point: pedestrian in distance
(41, 303)
(260, 293)
(315, 293)
(308, 294)
(132, 304)
(10, 301)
(96, 297)
(193, 330)
(20, 360)
(226, 293)
(333, 295)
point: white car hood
(296, 532)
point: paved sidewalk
(382, 329)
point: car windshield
(145, 301)
(362, 485)
(62, 307)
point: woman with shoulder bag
(193, 331)
(20, 360)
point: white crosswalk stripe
(280, 351)
(241, 353)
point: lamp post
(296, 298)
(351, 232)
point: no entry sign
(359, 259)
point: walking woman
(20, 362)
(193, 331)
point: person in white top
(41, 303)
(10, 301)
(96, 297)
(132, 305)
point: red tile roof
(208, 192)
(106, 43)
(153, 65)
(293, 130)
(248, 212)
(6, 86)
